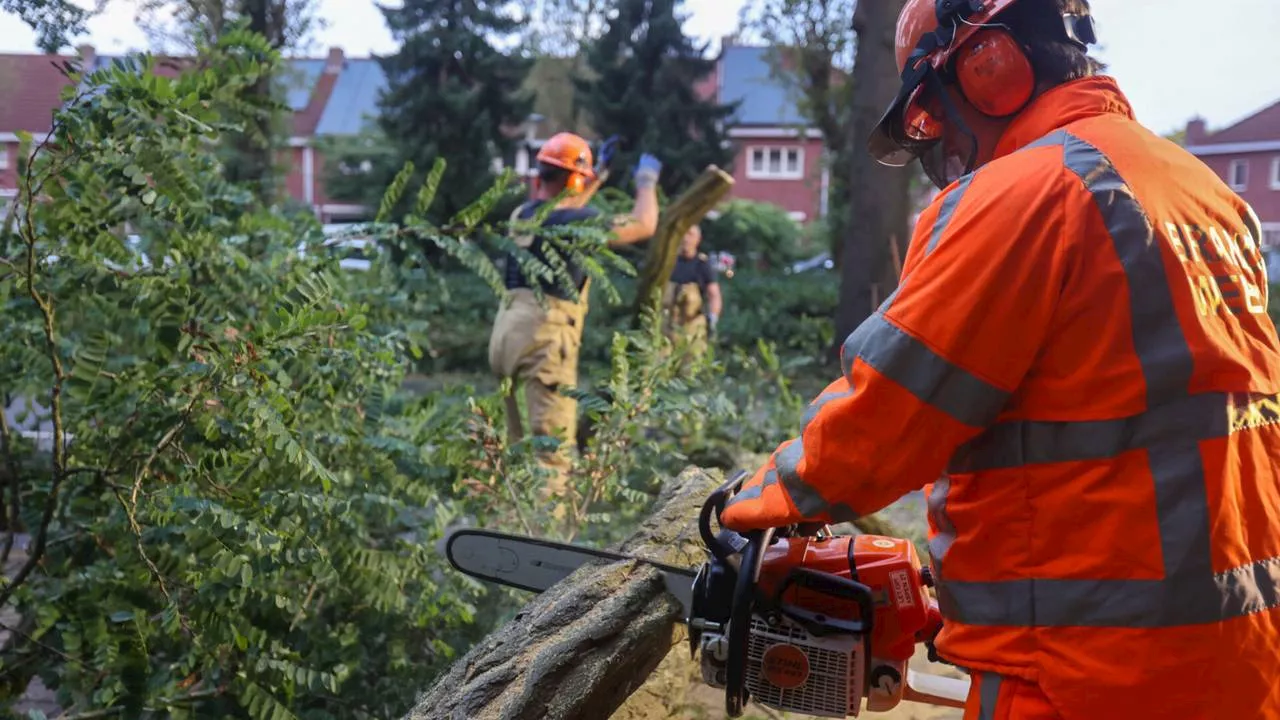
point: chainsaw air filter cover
(789, 669)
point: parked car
(723, 263)
(348, 241)
(818, 262)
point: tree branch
(6, 447)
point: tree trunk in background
(254, 163)
(877, 194)
(683, 213)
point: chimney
(1196, 131)
(336, 60)
(88, 56)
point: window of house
(775, 163)
(1271, 235)
(1238, 174)
(1275, 173)
(4, 157)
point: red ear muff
(577, 183)
(994, 73)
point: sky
(1175, 59)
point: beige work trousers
(683, 319)
(538, 347)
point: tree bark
(578, 650)
(685, 211)
(877, 194)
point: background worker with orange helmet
(537, 344)
(1079, 371)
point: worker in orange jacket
(1079, 371)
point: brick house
(1247, 156)
(776, 160)
(326, 96)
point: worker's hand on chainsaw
(777, 510)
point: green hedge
(793, 313)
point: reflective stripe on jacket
(1079, 370)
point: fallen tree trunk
(683, 213)
(580, 649)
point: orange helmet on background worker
(958, 44)
(569, 152)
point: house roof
(1263, 125)
(355, 98)
(745, 76)
(338, 95)
(31, 86)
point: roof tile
(31, 86)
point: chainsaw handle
(726, 543)
(744, 596)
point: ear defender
(994, 73)
(577, 183)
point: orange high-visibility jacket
(1079, 370)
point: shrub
(760, 234)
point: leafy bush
(761, 234)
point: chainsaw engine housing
(834, 621)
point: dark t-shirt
(693, 270)
(514, 278)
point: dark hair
(552, 175)
(1038, 25)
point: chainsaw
(796, 619)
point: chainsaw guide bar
(535, 565)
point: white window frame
(1231, 174)
(4, 156)
(762, 171)
(1275, 173)
(1270, 236)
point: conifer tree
(453, 93)
(645, 73)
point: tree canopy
(452, 93)
(644, 88)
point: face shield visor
(923, 124)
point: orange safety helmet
(955, 42)
(569, 152)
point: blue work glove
(646, 174)
(608, 149)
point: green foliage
(756, 233)
(55, 21)
(644, 70)
(451, 93)
(353, 164)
